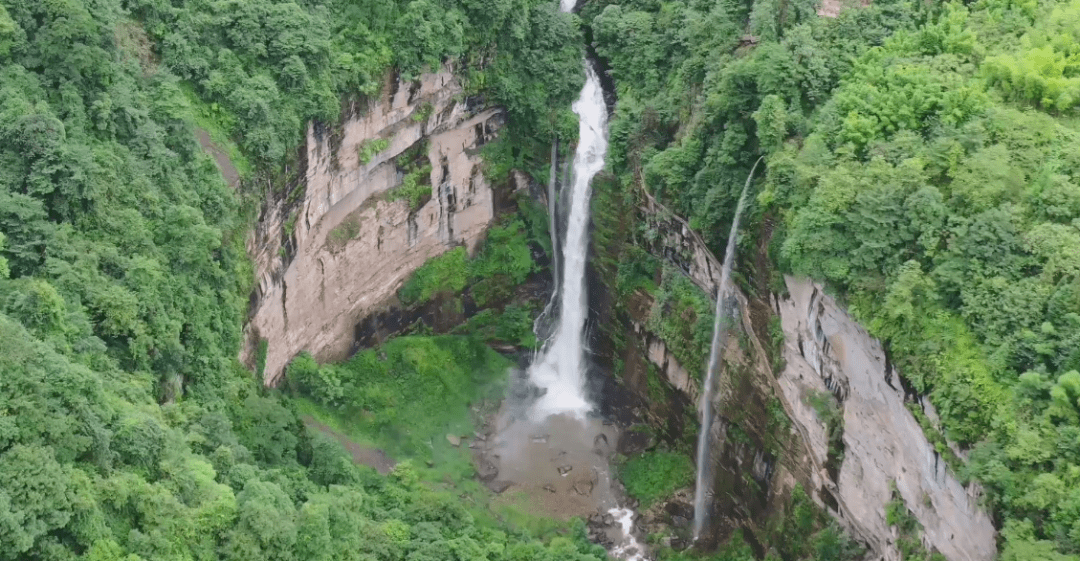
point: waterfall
(719, 340)
(552, 215)
(560, 369)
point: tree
(36, 496)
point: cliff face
(826, 350)
(353, 243)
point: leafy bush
(370, 148)
(408, 391)
(415, 188)
(445, 273)
(512, 326)
(503, 262)
(682, 315)
(655, 475)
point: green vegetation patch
(408, 393)
(830, 412)
(217, 122)
(370, 148)
(802, 530)
(909, 542)
(511, 326)
(445, 273)
(655, 475)
(347, 230)
(415, 188)
(503, 262)
(682, 315)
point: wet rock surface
(555, 462)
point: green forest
(128, 428)
(922, 158)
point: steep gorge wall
(353, 245)
(824, 350)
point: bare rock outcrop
(353, 244)
(826, 350)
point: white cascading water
(719, 340)
(559, 371)
(560, 368)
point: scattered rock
(430, 464)
(479, 436)
(677, 508)
(549, 488)
(609, 520)
(539, 438)
(486, 470)
(563, 470)
(499, 486)
(583, 488)
(679, 522)
(600, 445)
(454, 440)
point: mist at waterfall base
(721, 329)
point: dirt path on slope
(228, 170)
(371, 457)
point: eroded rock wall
(824, 350)
(755, 459)
(353, 245)
(827, 351)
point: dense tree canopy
(127, 428)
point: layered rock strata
(353, 241)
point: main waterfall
(559, 371)
(548, 445)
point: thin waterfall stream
(719, 340)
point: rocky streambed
(560, 466)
